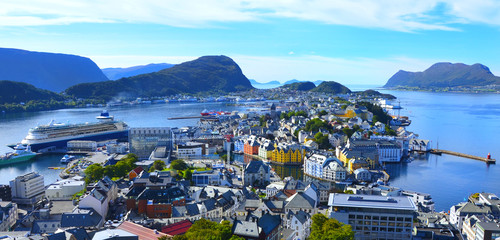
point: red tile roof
(142, 232)
(177, 228)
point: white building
(300, 223)
(273, 188)
(324, 167)
(362, 175)
(119, 148)
(423, 199)
(102, 193)
(64, 189)
(28, 188)
(189, 150)
(374, 217)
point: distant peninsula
(446, 76)
(208, 74)
(50, 71)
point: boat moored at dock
(21, 154)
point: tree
(348, 132)
(159, 165)
(94, 172)
(324, 228)
(179, 164)
(188, 174)
(322, 140)
(206, 229)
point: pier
(441, 151)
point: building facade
(374, 217)
(28, 188)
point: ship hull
(62, 143)
(19, 159)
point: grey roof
(162, 195)
(300, 200)
(269, 222)
(302, 216)
(371, 201)
(179, 211)
(79, 233)
(209, 204)
(489, 226)
(275, 204)
(192, 209)
(81, 217)
(251, 203)
(254, 166)
(246, 229)
(471, 208)
(280, 196)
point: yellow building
(288, 154)
(354, 159)
(349, 113)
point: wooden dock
(441, 151)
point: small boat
(105, 116)
(204, 112)
(67, 158)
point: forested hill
(443, 75)
(208, 74)
(17, 92)
(51, 71)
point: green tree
(188, 174)
(206, 229)
(179, 164)
(159, 165)
(324, 228)
(94, 172)
(348, 131)
(322, 140)
(322, 113)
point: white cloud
(399, 15)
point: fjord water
(461, 122)
(468, 123)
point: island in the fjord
(331, 87)
(447, 77)
(208, 74)
(50, 71)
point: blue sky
(351, 42)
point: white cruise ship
(58, 134)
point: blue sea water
(468, 123)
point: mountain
(51, 71)
(441, 75)
(16, 92)
(213, 74)
(117, 73)
(300, 86)
(331, 87)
